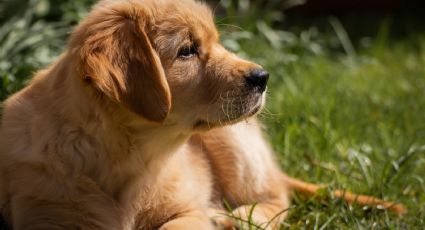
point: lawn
(341, 111)
(358, 124)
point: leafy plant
(32, 37)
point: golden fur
(122, 133)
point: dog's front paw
(222, 220)
(247, 217)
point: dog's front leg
(247, 175)
(193, 220)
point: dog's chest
(184, 182)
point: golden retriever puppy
(135, 126)
(103, 138)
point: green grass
(356, 122)
(349, 116)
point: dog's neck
(125, 147)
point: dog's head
(163, 61)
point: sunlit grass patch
(355, 123)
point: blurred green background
(345, 104)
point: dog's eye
(188, 51)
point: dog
(144, 122)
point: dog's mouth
(233, 112)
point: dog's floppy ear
(120, 61)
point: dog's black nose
(258, 79)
